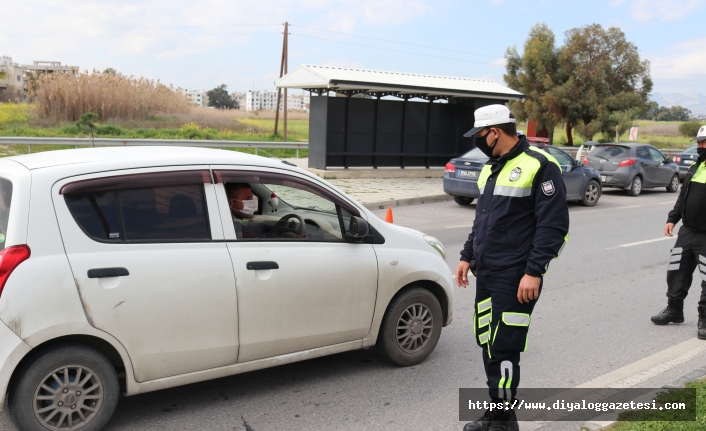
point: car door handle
(255, 266)
(107, 272)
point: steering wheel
(286, 229)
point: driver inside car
(242, 207)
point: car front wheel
(67, 387)
(410, 328)
(673, 184)
(591, 194)
(635, 187)
(461, 200)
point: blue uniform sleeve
(552, 213)
(467, 252)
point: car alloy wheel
(673, 184)
(68, 398)
(414, 328)
(591, 194)
(635, 186)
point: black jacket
(690, 207)
(522, 219)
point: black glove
(473, 267)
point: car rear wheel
(411, 327)
(461, 200)
(591, 194)
(635, 186)
(67, 387)
(673, 184)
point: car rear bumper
(616, 179)
(457, 187)
(12, 350)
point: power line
(396, 41)
(132, 27)
(134, 35)
(393, 50)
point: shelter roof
(311, 77)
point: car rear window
(5, 201)
(145, 214)
(691, 149)
(610, 151)
(475, 153)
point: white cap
(490, 115)
(701, 136)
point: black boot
(505, 421)
(481, 424)
(702, 323)
(673, 313)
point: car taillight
(677, 159)
(450, 168)
(11, 258)
(627, 162)
(585, 161)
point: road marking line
(461, 225)
(605, 209)
(649, 367)
(648, 241)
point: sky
(205, 43)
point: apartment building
(240, 99)
(13, 76)
(197, 97)
(266, 100)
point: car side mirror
(358, 229)
(578, 163)
(669, 160)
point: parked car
(633, 167)
(685, 159)
(582, 183)
(122, 269)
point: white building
(13, 76)
(240, 99)
(197, 97)
(266, 100)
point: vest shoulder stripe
(542, 156)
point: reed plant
(65, 97)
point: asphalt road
(592, 318)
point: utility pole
(282, 72)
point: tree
(535, 74)
(219, 98)
(621, 121)
(87, 122)
(655, 112)
(110, 71)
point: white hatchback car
(135, 269)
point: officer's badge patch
(548, 188)
(515, 174)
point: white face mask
(249, 206)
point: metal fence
(111, 142)
(573, 150)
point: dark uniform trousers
(501, 324)
(688, 254)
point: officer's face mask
(701, 152)
(482, 144)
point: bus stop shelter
(366, 118)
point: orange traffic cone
(388, 217)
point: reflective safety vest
(522, 219)
(690, 207)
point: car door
(663, 172)
(299, 286)
(573, 179)
(147, 253)
(649, 166)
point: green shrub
(109, 130)
(69, 130)
(690, 128)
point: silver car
(633, 167)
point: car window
(563, 158)
(475, 153)
(643, 153)
(5, 201)
(655, 154)
(609, 151)
(691, 149)
(126, 208)
(289, 208)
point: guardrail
(573, 150)
(112, 142)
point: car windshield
(691, 149)
(475, 153)
(609, 152)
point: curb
(405, 202)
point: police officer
(689, 252)
(522, 222)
